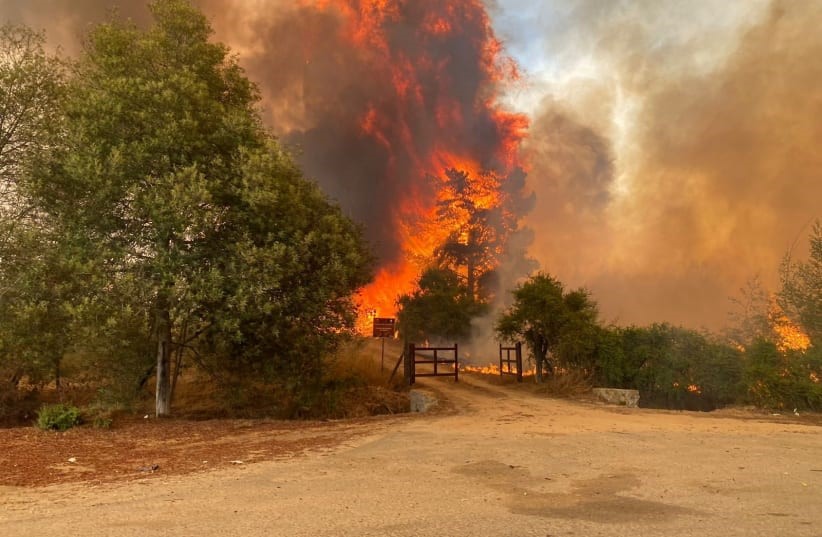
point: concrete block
(421, 400)
(614, 396)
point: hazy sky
(673, 147)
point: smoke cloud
(689, 163)
(673, 146)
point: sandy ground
(497, 461)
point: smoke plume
(689, 164)
(672, 147)
(378, 99)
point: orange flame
(458, 143)
(788, 335)
(493, 369)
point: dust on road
(500, 462)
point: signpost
(383, 328)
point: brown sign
(383, 327)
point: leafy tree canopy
(166, 182)
(550, 320)
(440, 309)
(801, 294)
(31, 83)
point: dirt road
(501, 463)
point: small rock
(237, 462)
(149, 469)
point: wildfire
(432, 72)
(493, 369)
(788, 335)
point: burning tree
(472, 207)
(477, 213)
(801, 294)
(393, 93)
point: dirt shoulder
(144, 447)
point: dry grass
(362, 358)
(567, 384)
(354, 385)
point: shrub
(786, 380)
(101, 422)
(672, 367)
(59, 417)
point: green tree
(749, 316)
(167, 183)
(31, 84)
(35, 307)
(284, 287)
(551, 321)
(440, 308)
(801, 295)
(783, 379)
(683, 368)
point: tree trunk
(540, 364)
(163, 327)
(57, 379)
(540, 350)
(178, 359)
(471, 268)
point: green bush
(672, 367)
(101, 422)
(59, 417)
(783, 380)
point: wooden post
(410, 358)
(456, 365)
(396, 366)
(500, 359)
(519, 361)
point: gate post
(456, 365)
(519, 361)
(500, 360)
(410, 356)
